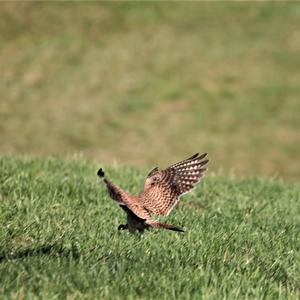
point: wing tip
(203, 155)
(194, 156)
(198, 156)
(100, 173)
(204, 162)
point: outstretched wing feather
(175, 181)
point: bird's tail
(157, 224)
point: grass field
(153, 82)
(59, 238)
(130, 85)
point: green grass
(149, 84)
(153, 82)
(59, 238)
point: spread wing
(163, 188)
(127, 201)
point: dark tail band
(157, 224)
(174, 228)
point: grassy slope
(243, 237)
(143, 82)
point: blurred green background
(151, 83)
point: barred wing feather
(163, 188)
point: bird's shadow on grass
(54, 250)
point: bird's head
(153, 177)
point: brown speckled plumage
(162, 191)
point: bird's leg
(122, 226)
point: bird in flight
(162, 190)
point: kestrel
(162, 190)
